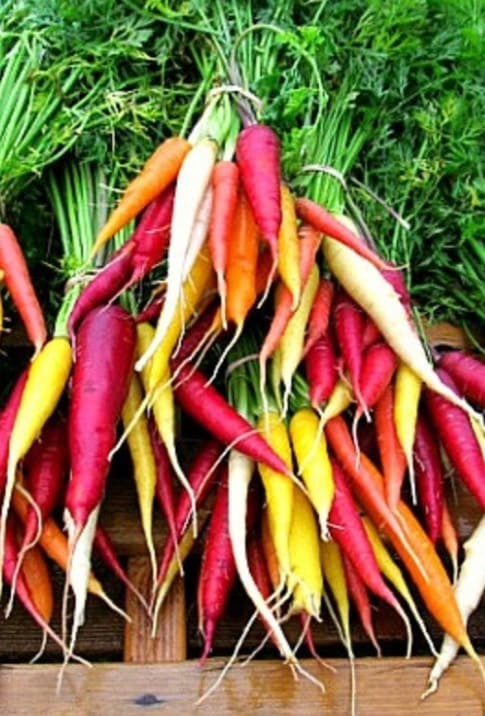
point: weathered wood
(388, 687)
(170, 641)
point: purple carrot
(429, 477)
(321, 369)
(7, 419)
(468, 373)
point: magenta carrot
(429, 477)
(104, 547)
(325, 223)
(218, 569)
(151, 312)
(210, 409)
(258, 158)
(395, 277)
(7, 419)
(321, 369)
(468, 373)
(105, 351)
(456, 433)
(18, 282)
(360, 598)
(164, 488)
(379, 363)
(349, 323)
(371, 334)
(320, 314)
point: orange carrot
(393, 459)
(39, 583)
(157, 173)
(320, 313)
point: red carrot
(455, 432)
(320, 219)
(360, 598)
(429, 477)
(349, 328)
(218, 568)
(320, 314)
(379, 363)
(152, 234)
(371, 334)
(210, 409)
(18, 282)
(151, 312)
(7, 419)
(396, 278)
(164, 487)
(321, 369)
(468, 373)
(258, 158)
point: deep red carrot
(225, 185)
(164, 489)
(201, 476)
(108, 282)
(456, 433)
(347, 530)
(258, 158)
(320, 314)
(210, 409)
(360, 599)
(104, 547)
(151, 312)
(105, 352)
(392, 457)
(429, 477)
(371, 334)
(379, 363)
(7, 419)
(349, 323)
(468, 373)
(45, 467)
(218, 568)
(321, 369)
(322, 221)
(18, 282)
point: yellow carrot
(144, 467)
(288, 246)
(338, 401)
(310, 448)
(334, 575)
(406, 400)
(47, 378)
(305, 580)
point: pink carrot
(321, 369)
(320, 314)
(7, 419)
(322, 221)
(396, 278)
(456, 433)
(258, 158)
(371, 334)
(429, 477)
(379, 363)
(468, 373)
(165, 486)
(349, 328)
(360, 599)
(218, 569)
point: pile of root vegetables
(327, 423)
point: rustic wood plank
(170, 641)
(388, 687)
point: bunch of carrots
(279, 329)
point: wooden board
(387, 687)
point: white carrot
(199, 232)
(469, 590)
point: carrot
(314, 214)
(371, 334)
(218, 569)
(289, 247)
(379, 363)
(38, 581)
(46, 380)
(450, 538)
(152, 234)
(429, 478)
(225, 184)
(305, 580)
(366, 285)
(347, 530)
(392, 457)
(278, 488)
(143, 459)
(192, 182)
(469, 590)
(269, 552)
(348, 322)
(18, 282)
(339, 400)
(200, 232)
(408, 388)
(319, 317)
(7, 419)
(321, 369)
(99, 389)
(164, 488)
(459, 440)
(158, 172)
(258, 158)
(310, 448)
(258, 570)
(360, 598)
(468, 373)
(209, 408)
(104, 547)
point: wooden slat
(388, 687)
(170, 641)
